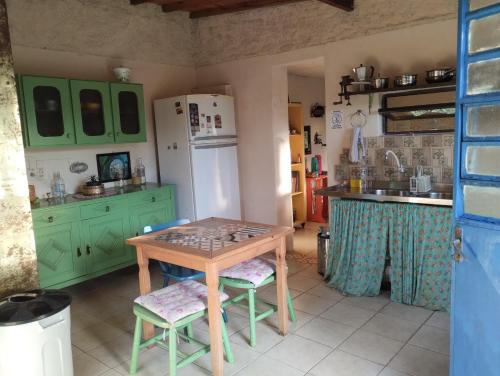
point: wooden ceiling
(205, 8)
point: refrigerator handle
(216, 146)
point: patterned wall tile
(447, 175)
(421, 156)
(448, 140)
(393, 141)
(432, 140)
(411, 141)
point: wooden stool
(250, 275)
(173, 308)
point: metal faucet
(400, 166)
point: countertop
(109, 193)
(440, 195)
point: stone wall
(107, 28)
(17, 248)
(273, 30)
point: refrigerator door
(211, 116)
(216, 180)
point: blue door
(475, 316)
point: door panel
(128, 112)
(92, 112)
(216, 182)
(49, 117)
(105, 242)
(475, 328)
(59, 255)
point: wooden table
(212, 245)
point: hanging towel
(357, 138)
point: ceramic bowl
(122, 73)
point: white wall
(255, 82)
(308, 91)
(159, 81)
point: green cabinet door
(59, 255)
(141, 216)
(91, 103)
(129, 121)
(105, 241)
(48, 111)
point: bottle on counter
(58, 186)
(140, 170)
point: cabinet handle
(68, 135)
(137, 233)
(107, 208)
(153, 199)
(78, 252)
(110, 134)
(88, 250)
(51, 219)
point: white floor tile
(432, 338)
(439, 320)
(391, 372)
(311, 304)
(152, 362)
(85, 365)
(93, 336)
(297, 282)
(301, 319)
(267, 337)
(340, 363)
(420, 362)
(235, 323)
(311, 272)
(299, 352)
(326, 292)
(372, 346)
(111, 372)
(265, 366)
(269, 294)
(371, 303)
(391, 327)
(406, 312)
(114, 352)
(348, 314)
(325, 331)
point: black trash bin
(323, 241)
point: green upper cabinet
(92, 112)
(128, 112)
(48, 112)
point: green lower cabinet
(144, 216)
(59, 255)
(105, 242)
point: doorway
(309, 171)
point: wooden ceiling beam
(347, 5)
(241, 6)
(137, 2)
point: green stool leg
(188, 330)
(251, 316)
(172, 351)
(227, 345)
(291, 309)
(135, 345)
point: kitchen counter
(109, 193)
(441, 195)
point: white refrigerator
(197, 151)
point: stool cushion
(177, 301)
(255, 270)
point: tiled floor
(334, 335)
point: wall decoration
(78, 167)
(317, 110)
(114, 166)
(307, 139)
(336, 119)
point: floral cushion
(178, 300)
(255, 270)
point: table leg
(144, 288)
(214, 321)
(281, 284)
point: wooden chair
(169, 271)
(251, 275)
(172, 308)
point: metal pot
(440, 75)
(362, 73)
(405, 80)
(381, 83)
(92, 190)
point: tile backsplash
(433, 152)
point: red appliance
(317, 206)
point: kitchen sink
(437, 195)
(404, 193)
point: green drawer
(48, 217)
(151, 196)
(101, 209)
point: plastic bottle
(140, 170)
(58, 186)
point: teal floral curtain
(419, 244)
(358, 244)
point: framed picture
(307, 139)
(114, 166)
